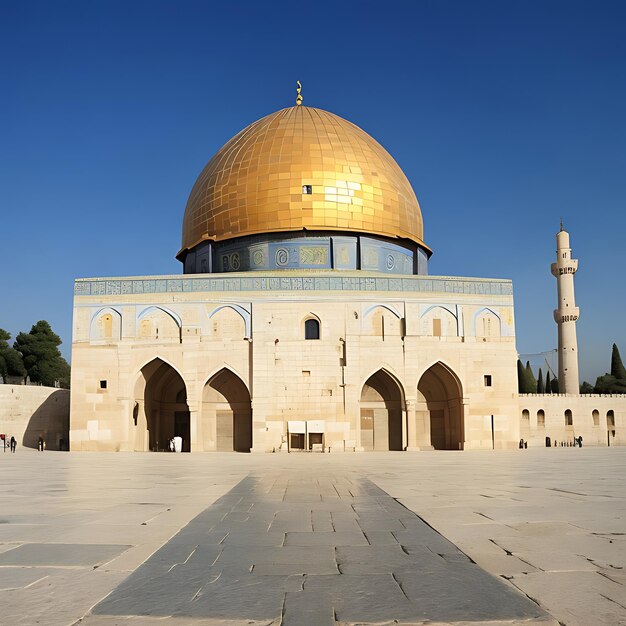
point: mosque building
(305, 319)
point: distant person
(13, 443)
(40, 444)
(521, 444)
(580, 441)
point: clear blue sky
(505, 116)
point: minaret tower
(566, 314)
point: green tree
(586, 388)
(554, 385)
(42, 359)
(617, 367)
(11, 363)
(548, 383)
(610, 384)
(521, 380)
(540, 387)
(531, 381)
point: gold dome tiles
(254, 184)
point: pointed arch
(450, 309)
(439, 407)
(160, 409)
(165, 310)
(384, 321)
(225, 366)
(383, 305)
(241, 311)
(101, 328)
(487, 330)
(381, 409)
(158, 323)
(439, 320)
(227, 412)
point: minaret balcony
(569, 267)
(569, 314)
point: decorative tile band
(191, 284)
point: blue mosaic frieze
(382, 256)
(173, 284)
(276, 251)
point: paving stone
(61, 555)
(308, 608)
(347, 538)
(380, 537)
(322, 521)
(20, 577)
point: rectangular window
(307, 189)
(103, 384)
(436, 328)
(487, 380)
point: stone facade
(410, 362)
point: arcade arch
(439, 406)
(227, 412)
(381, 412)
(160, 410)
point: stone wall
(599, 419)
(28, 412)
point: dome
(301, 169)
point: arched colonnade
(387, 419)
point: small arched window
(541, 418)
(311, 329)
(569, 421)
(525, 415)
(610, 419)
(596, 417)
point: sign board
(296, 427)
(315, 426)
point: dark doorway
(440, 397)
(381, 413)
(226, 400)
(165, 410)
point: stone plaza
(497, 537)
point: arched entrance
(161, 411)
(439, 405)
(227, 412)
(381, 412)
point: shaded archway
(227, 412)
(381, 413)
(160, 411)
(439, 405)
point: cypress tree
(554, 384)
(540, 387)
(617, 367)
(521, 382)
(548, 387)
(531, 381)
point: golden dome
(301, 168)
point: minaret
(566, 314)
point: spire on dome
(299, 97)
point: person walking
(13, 443)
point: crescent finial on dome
(299, 97)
